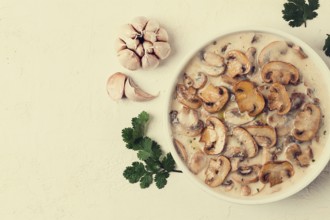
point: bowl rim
(321, 162)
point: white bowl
(311, 172)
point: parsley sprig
(297, 12)
(154, 166)
(326, 47)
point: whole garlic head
(142, 44)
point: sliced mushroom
(197, 162)
(197, 80)
(116, 85)
(246, 142)
(297, 100)
(232, 115)
(264, 135)
(272, 52)
(188, 122)
(217, 171)
(181, 150)
(246, 174)
(245, 190)
(307, 122)
(214, 97)
(267, 155)
(133, 92)
(229, 80)
(280, 72)
(295, 154)
(237, 63)
(281, 123)
(188, 96)
(214, 64)
(251, 55)
(275, 172)
(279, 99)
(248, 98)
(214, 136)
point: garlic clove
(162, 35)
(162, 49)
(148, 47)
(152, 26)
(133, 92)
(149, 61)
(127, 31)
(140, 50)
(131, 43)
(150, 36)
(129, 59)
(139, 23)
(120, 44)
(116, 85)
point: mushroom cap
(264, 135)
(246, 141)
(296, 155)
(181, 150)
(273, 51)
(214, 97)
(188, 96)
(275, 171)
(197, 162)
(307, 122)
(280, 72)
(217, 171)
(237, 63)
(248, 98)
(189, 123)
(246, 174)
(279, 99)
(212, 64)
(214, 136)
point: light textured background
(61, 154)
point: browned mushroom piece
(246, 142)
(280, 72)
(181, 150)
(197, 162)
(217, 171)
(307, 122)
(281, 123)
(296, 155)
(237, 63)
(214, 64)
(273, 51)
(188, 96)
(279, 99)
(297, 100)
(246, 174)
(264, 135)
(187, 122)
(275, 172)
(197, 80)
(232, 115)
(214, 98)
(214, 136)
(248, 98)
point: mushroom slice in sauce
(279, 99)
(214, 64)
(301, 157)
(232, 115)
(307, 122)
(273, 51)
(251, 55)
(188, 96)
(181, 150)
(275, 172)
(197, 80)
(217, 171)
(248, 98)
(237, 63)
(281, 123)
(246, 142)
(214, 97)
(264, 135)
(214, 136)
(280, 72)
(187, 122)
(297, 100)
(197, 162)
(246, 174)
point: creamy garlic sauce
(310, 80)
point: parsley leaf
(154, 165)
(326, 46)
(297, 12)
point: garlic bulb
(142, 44)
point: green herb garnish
(297, 12)
(154, 166)
(326, 46)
